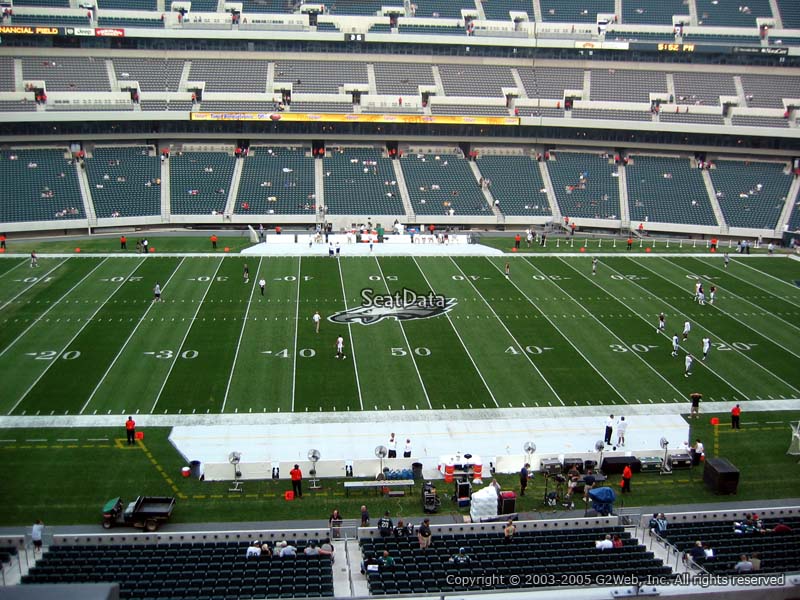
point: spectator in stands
(781, 528)
(424, 534)
(616, 541)
(744, 565)
(253, 550)
(326, 549)
(287, 550)
(370, 563)
(335, 522)
(755, 560)
(461, 558)
(401, 529)
(36, 535)
(385, 525)
(605, 543)
(386, 559)
(696, 553)
(266, 551)
(508, 531)
(311, 549)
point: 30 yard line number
(167, 354)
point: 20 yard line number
(52, 354)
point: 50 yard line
(349, 332)
(296, 326)
(458, 335)
(241, 333)
(124, 345)
(405, 337)
(52, 306)
(74, 337)
(186, 335)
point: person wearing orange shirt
(123, 242)
(517, 239)
(627, 474)
(130, 429)
(3, 241)
(214, 241)
(736, 413)
(297, 479)
(630, 243)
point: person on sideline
(297, 481)
(130, 430)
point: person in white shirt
(253, 549)
(262, 283)
(392, 445)
(36, 535)
(407, 449)
(316, 318)
(340, 347)
(697, 287)
(605, 543)
(622, 427)
(157, 293)
(675, 345)
(713, 294)
(706, 346)
(688, 364)
(687, 327)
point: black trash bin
(195, 469)
(416, 471)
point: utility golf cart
(147, 512)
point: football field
(82, 335)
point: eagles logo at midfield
(402, 306)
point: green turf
(82, 335)
(67, 481)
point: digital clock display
(676, 47)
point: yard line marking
(458, 335)
(666, 335)
(241, 333)
(771, 295)
(74, 337)
(186, 335)
(52, 306)
(744, 264)
(521, 349)
(405, 337)
(296, 326)
(569, 341)
(639, 356)
(17, 266)
(350, 335)
(42, 278)
(125, 344)
(722, 340)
